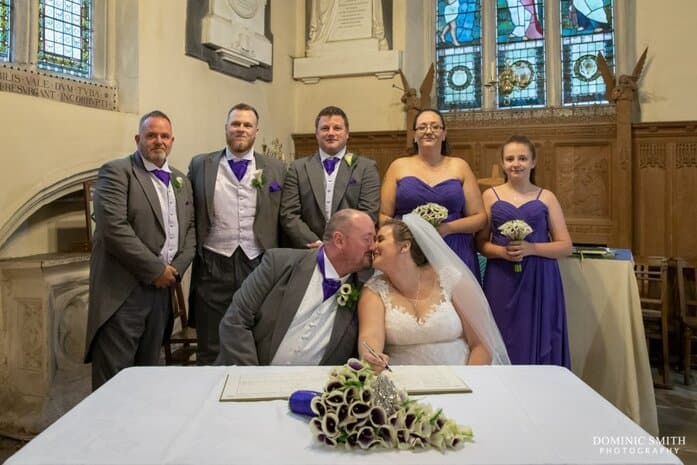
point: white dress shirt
(329, 180)
(308, 334)
(234, 209)
(168, 206)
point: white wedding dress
(437, 340)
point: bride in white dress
(426, 308)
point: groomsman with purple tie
(143, 242)
(316, 187)
(237, 194)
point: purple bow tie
(330, 164)
(239, 167)
(329, 286)
(162, 175)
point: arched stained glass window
(459, 54)
(65, 36)
(587, 28)
(520, 53)
(506, 54)
(5, 30)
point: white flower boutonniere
(178, 183)
(258, 179)
(350, 158)
(347, 297)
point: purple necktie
(162, 175)
(329, 286)
(330, 164)
(239, 167)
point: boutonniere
(347, 297)
(258, 178)
(178, 183)
(350, 158)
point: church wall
(667, 88)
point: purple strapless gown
(528, 306)
(412, 192)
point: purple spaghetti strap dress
(529, 305)
(412, 192)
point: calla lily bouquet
(515, 230)
(432, 212)
(361, 409)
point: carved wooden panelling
(582, 181)
(652, 156)
(665, 210)
(686, 155)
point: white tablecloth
(163, 415)
(606, 335)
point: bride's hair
(401, 233)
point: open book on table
(249, 385)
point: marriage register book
(244, 384)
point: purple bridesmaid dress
(412, 192)
(529, 305)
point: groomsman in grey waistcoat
(318, 186)
(297, 307)
(237, 194)
(143, 242)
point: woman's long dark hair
(525, 140)
(444, 147)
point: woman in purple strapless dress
(431, 176)
(528, 305)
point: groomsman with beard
(237, 194)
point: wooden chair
(652, 280)
(687, 296)
(183, 339)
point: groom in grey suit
(237, 194)
(143, 242)
(289, 311)
(318, 186)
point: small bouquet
(360, 408)
(432, 212)
(515, 230)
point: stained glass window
(5, 30)
(459, 54)
(520, 53)
(65, 36)
(587, 28)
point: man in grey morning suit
(143, 242)
(318, 186)
(237, 194)
(287, 311)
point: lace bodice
(437, 339)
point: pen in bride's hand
(375, 354)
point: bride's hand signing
(378, 362)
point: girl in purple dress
(528, 305)
(431, 176)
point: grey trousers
(133, 335)
(216, 280)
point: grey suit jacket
(129, 236)
(302, 203)
(203, 171)
(263, 308)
